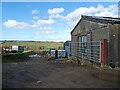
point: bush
(16, 57)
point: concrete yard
(43, 73)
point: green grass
(15, 57)
(45, 44)
(18, 57)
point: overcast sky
(48, 21)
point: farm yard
(54, 45)
(47, 72)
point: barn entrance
(90, 50)
(93, 51)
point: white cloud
(35, 17)
(58, 16)
(35, 11)
(10, 23)
(62, 38)
(15, 24)
(68, 31)
(108, 14)
(35, 25)
(23, 25)
(71, 18)
(47, 32)
(98, 11)
(46, 22)
(45, 28)
(55, 10)
(74, 16)
(111, 11)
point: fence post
(104, 51)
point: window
(84, 41)
(83, 45)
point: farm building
(97, 39)
(67, 48)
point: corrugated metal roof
(105, 20)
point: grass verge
(16, 57)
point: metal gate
(90, 50)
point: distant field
(36, 44)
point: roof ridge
(99, 17)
